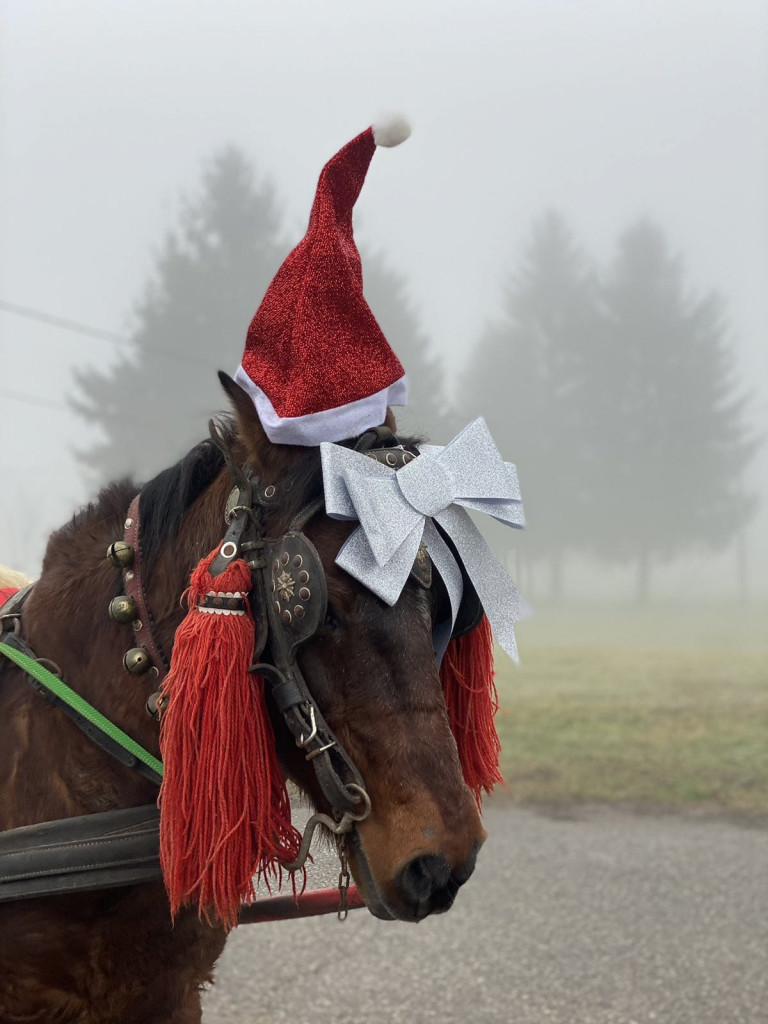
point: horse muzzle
(427, 883)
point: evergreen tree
(386, 293)
(529, 375)
(673, 438)
(154, 404)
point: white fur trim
(329, 424)
(391, 131)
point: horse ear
(390, 420)
(270, 460)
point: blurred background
(573, 243)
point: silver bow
(397, 510)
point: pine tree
(154, 404)
(674, 442)
(386, 293)
(529, 375)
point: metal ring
(366, 800)
(228, 550)
(231, 513)
(50, 665)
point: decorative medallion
(285, 585)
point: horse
(118, 954)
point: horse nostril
(460, 875)
(429, 886)
(422, 876)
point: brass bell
(122, 609)
(120, 554)
(156, 704)
(137, 661)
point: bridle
(288, 600)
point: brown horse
(115, 955)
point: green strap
(82, 707)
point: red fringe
(225, 813)
(467, 676)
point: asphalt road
(597, 918)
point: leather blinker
(298, 593)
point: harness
(288, 601)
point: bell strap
(134, 588)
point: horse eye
(331, 619)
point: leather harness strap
(80, 854)
(134, 587)
(118, 848)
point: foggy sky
(605, 110)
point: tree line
(613, 389)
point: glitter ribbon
(397, 510)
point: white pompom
(392, 131)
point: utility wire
(18, 396)
(60, 321)
(96, 332)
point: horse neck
(66, 620)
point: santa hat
(316, 363)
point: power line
(60, 321)
(96, 332)
(18, 396)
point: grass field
(661, 708)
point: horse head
(371, 669)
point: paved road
(602, 918)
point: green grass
(660, 728)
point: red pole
(309, 904)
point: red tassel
(467, 675)
(225, 813)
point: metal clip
(338, 828)
(344, 879)
(301, 741)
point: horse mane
(167, 497)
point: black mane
(167, 497)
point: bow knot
(398, 510)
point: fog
(605, 112)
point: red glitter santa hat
(316, 363)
